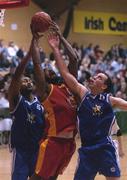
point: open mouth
(29, 86)
(90, 81)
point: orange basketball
(41, 22)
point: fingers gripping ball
(41, 22)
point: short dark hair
(109, 84)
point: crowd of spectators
(113, 62)
(92, 59)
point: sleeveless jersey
(96, 118)
(28, 124)
(60, 110)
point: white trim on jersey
(78, 127)
(110, 129)
(108, 98)
(116, 144)
(33, 101)
(115, 128)
(88, 92)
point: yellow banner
(100, 23)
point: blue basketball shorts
(23, 164)
(92, 161)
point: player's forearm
(15, 84)
(21, 67)
(69, 79)
(70, 50)
(73, 58)
(14, 88)
(38, 72)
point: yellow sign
(100, 23)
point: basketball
(41, 21)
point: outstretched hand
(35, 39)
(53, 40)
(55, 28)
(35, 34)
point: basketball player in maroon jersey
(58, 146)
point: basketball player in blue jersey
(28, 123)
(95, 120)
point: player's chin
(91, 85)
(26, 91)
(29, 88)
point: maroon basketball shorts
(54, 156)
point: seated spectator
(3, 100)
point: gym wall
(22, 16)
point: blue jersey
(96, 118)
(28, 125)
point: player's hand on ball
(35, 34)
(54, 27)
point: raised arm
(14, 88)
(72, 54)
(73, 57)
(70, 80)
(39, 74)
(118, 103)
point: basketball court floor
(5, 164)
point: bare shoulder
(43, 96)
(113, 100)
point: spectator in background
(122, 51)
(3, 55)
(12, 49)
(88, 50)
(2, 47)
(12, 58)
(20, 53)
(4, 103)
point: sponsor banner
(100, 23)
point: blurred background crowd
(92, 59)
